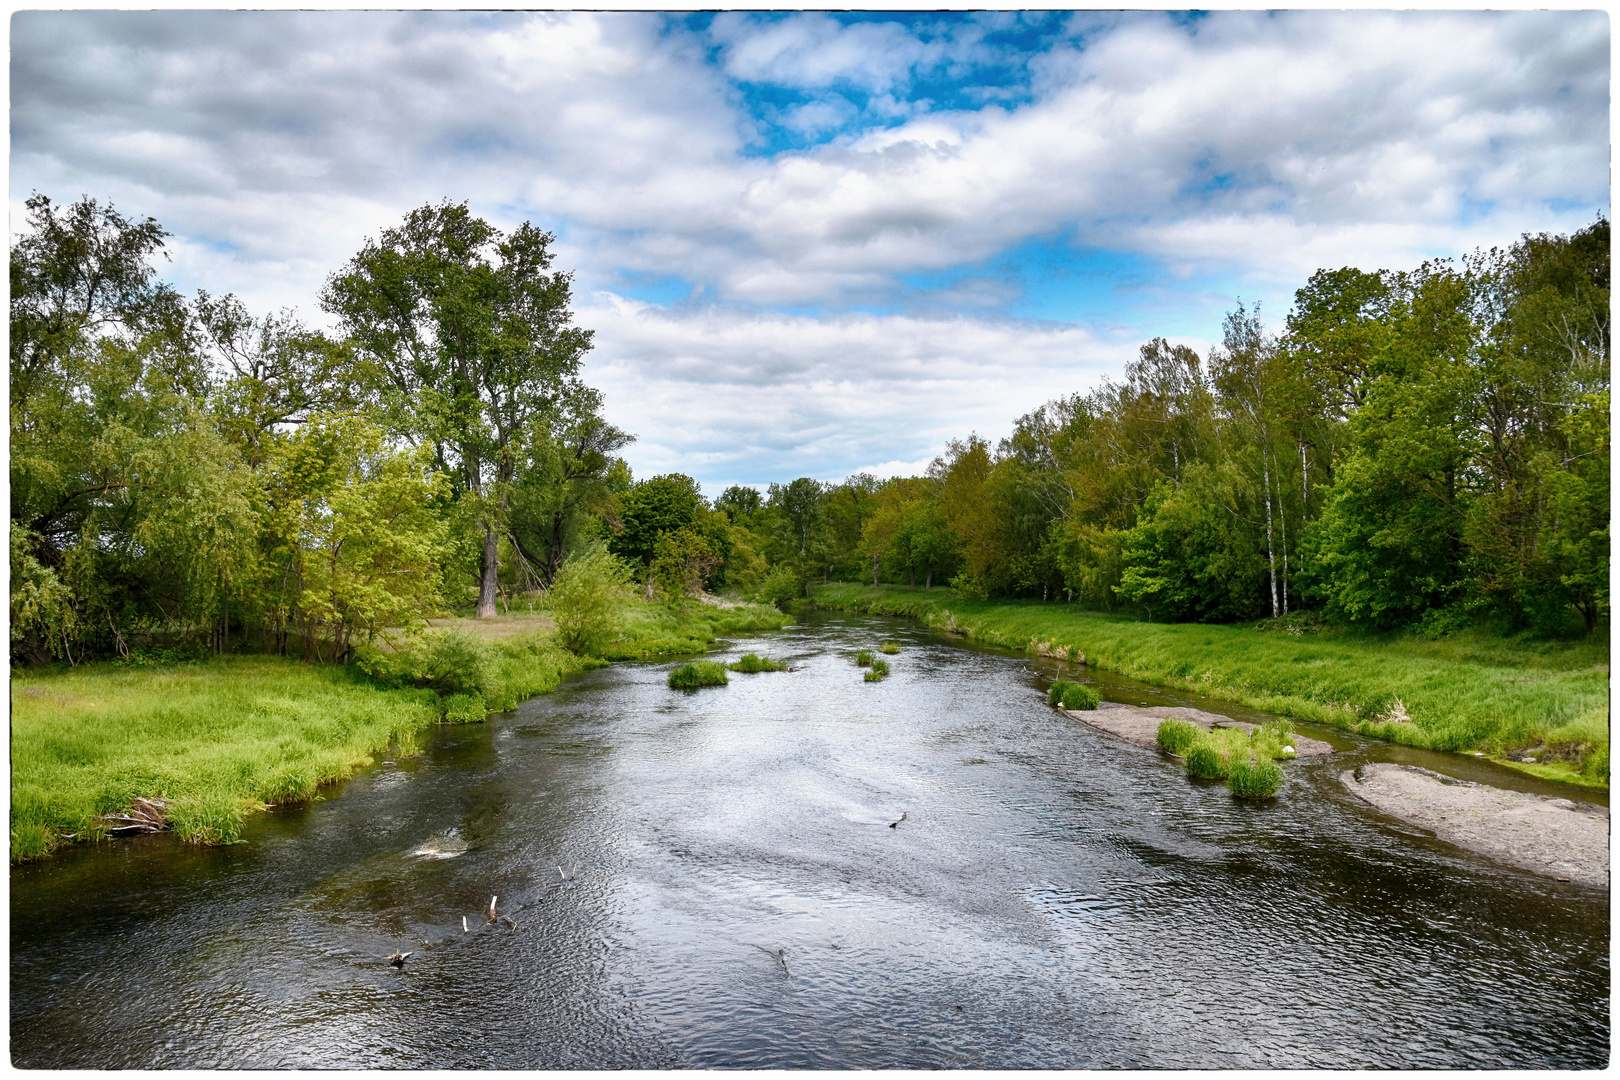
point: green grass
(1471, 691)
(750, 664)
(1257, 779)
(1178, 736)
(216, 738)
(660, 628)
(864, 658)
(889, 648)
(879, 672)
(1068, 695)
(223, 737)
(698, 673)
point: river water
(710, 879)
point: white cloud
(736, 396)
(1252, 147)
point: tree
(801, 526)
(590, 588)
(567, 476)
(464, 337)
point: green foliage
(663, 504)
(888, 648)
(750, 664)
(1258, 779)
(1070, 695)
(879, 672)
(696, 674)
(682, 559)
(780, 587)
(1204, 760)
(463, 334)
(1178, 736)
(587, 597)
(863, 658)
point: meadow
(219, 738)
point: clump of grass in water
(1068, 695)
(696, 674)
(889, 648)
(879, 672)
(750, 664)
(1244, 761)
(864, 658)
(1178, 736)
(1256, 779)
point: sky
(813, 244)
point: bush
(889, 648)
(780, 587)
(1203, 760)
(1177, 736)
(585, 599)
(750, 664)
(880, 671)
(1257, 779)
(1068, 695)
(696, 674)
(864, 658)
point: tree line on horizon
(1422, 447)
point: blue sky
(810, 243)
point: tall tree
(465, 337)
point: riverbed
(711, 879)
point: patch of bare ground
(1140, 724)
(1544, 835)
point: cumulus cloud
(1241, 148)
(742, 396)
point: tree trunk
(929, 584)
(913, 572)
(492, 567)
(874, 570)
(1271, 552)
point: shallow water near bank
(709, 879)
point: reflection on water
(709, 879)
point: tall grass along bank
(213, 740)
(1509, 698)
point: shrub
(1257, 779)
(864, 658)
(889, 648)
(1068, 695)
(880, 671)
(750, 664)
(585, 599)
(1204, 760)
(780, 587)
(698, 673)
(1177, 736)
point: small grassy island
(698, 673)
(751, 664)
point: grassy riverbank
(1466, 693)
(223, 737)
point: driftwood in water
(895, 824)
(145, 816)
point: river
(710, 879)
